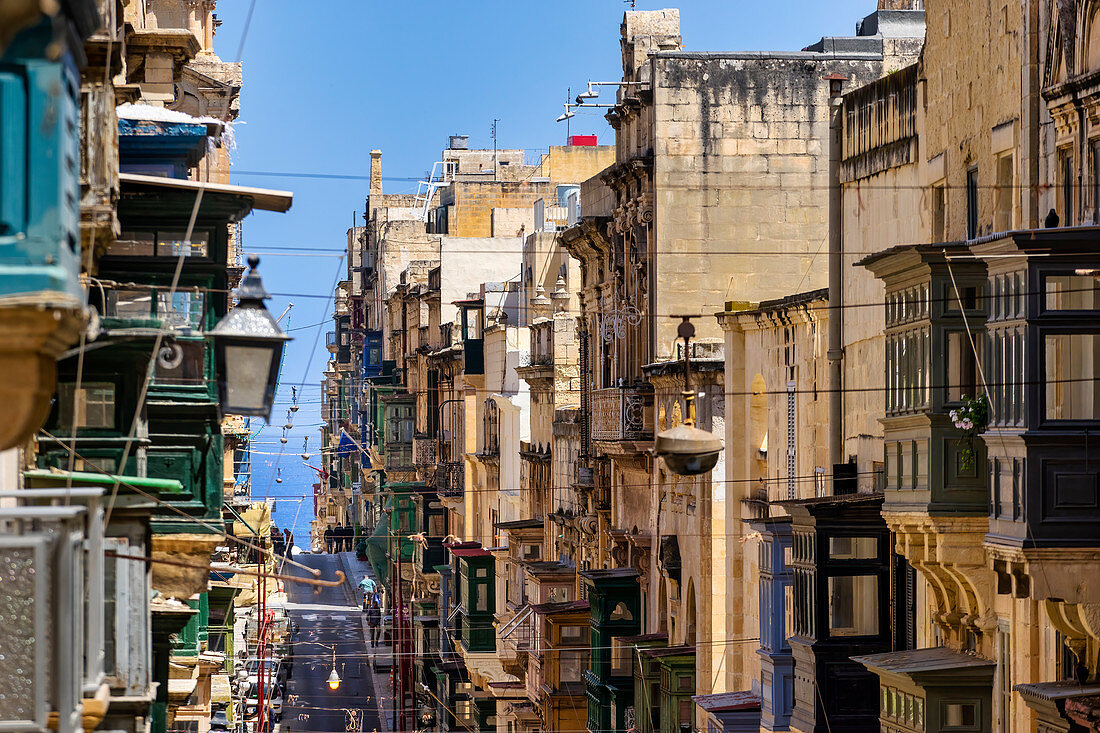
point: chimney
(376, 172)
(644, 32)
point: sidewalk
(381, 657)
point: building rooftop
(723, 701)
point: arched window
(662, 608)
(758, 430)
(689, 635)
(1092, 40)
(492, 427)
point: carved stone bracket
(1079, 623)
(948, 553)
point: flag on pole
(345, 446)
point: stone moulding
(948, 552)
(34, 336)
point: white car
(273, 701)
(274, 670)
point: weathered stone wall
(396, 244)
(972, 64)
(740, 178)
(471, 203)
(779, 347)
(575, 163)
(511, 222)
(692, 509)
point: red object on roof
(470, 552)
(588, 141)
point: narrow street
(327, 618)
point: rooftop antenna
(493, 133)
(632, 2)
(568, 96)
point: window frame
(1041, 384)
(65, 405)
(199, 234)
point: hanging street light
(687, 450)
(333, 678)
(249, 347)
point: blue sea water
(294, 496)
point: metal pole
(399, 643)
(835, 353)
(261, 628)
(686, 330)
(394, 683)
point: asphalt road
(326, 616)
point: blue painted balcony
(40, 297)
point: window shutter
(792, 444)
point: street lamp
(333, 680)
(249, 347)
(687, 450)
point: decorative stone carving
(949, 554)
(1067, 27)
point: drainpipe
(1029, 134)
(835, 354)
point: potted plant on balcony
(973, 419)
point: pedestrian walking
(368, 587)
(276, 541)
(374, 620)
(329, 539)
(289, 542)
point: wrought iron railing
(527, 358)
(424, 451)
(622, 413)
(450, 479)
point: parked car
(273, 701)
(275, 672)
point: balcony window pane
(482, 597)
(853, 548)
(436, 525)
(1020, 376)
(94, 406)
(962, 366)
(133, 244)
(184, 310)
(129, 304)
(573, 664)
(1072, 292)
(959, 715)
(1070, 375)
(853, 605)
(173, 244)
(185, 364)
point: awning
(265, 199)
(376, 552)
(47, 479)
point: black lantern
(249, 349)
(687, 450)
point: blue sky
(327, 81)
